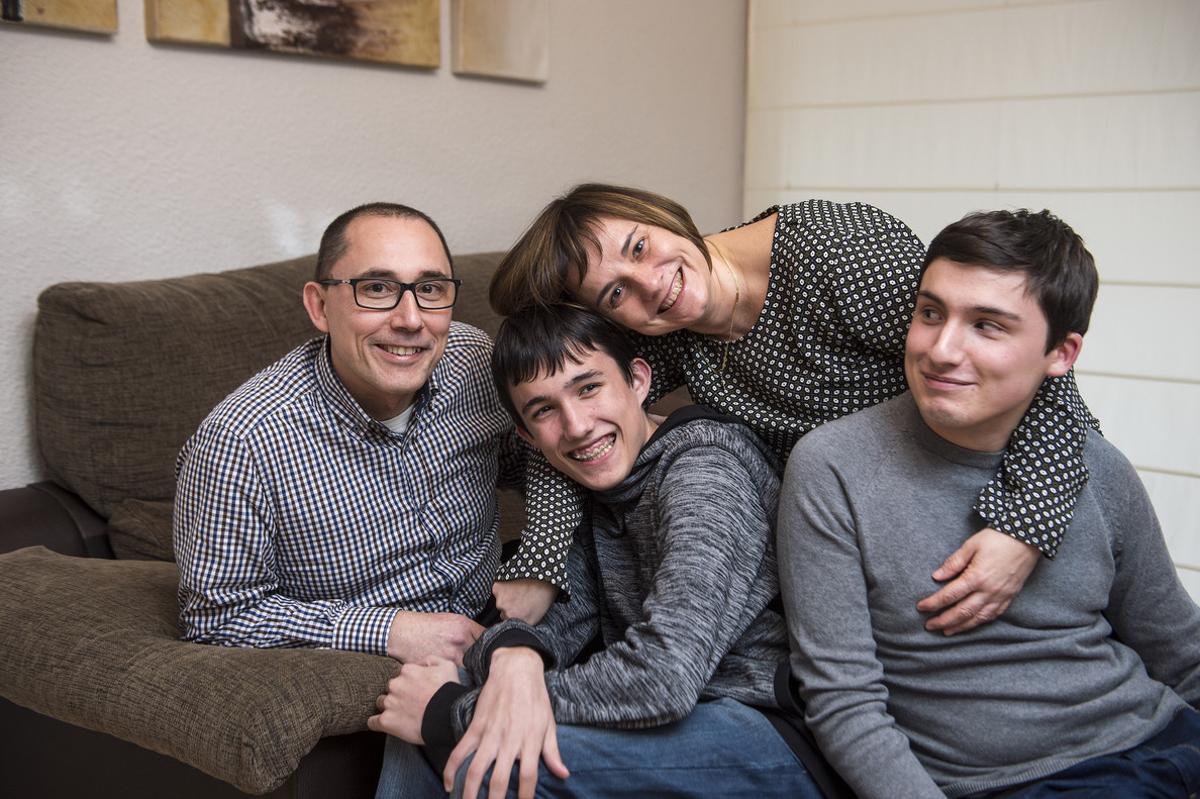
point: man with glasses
(344, 497)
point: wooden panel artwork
(388, 31)
(92, 16)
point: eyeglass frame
(404, 287)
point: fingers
(461, 752)
(373, 723)
(551, 756)
(955, 563)
(947, 595)
(528, 775)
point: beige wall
(932, 108)
(124, 160)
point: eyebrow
(582, 377)
(983, 309)
(387, 274)
(600, 295)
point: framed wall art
(387, 31)
(90, 16)
(501, 38)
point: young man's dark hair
(333, 240)
(542, 339)
(1059, 271)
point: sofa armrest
(45, 514)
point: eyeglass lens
(385, 294)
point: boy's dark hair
(1059, 271)
(333, 240)
(542, 339)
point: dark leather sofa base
(43, 758)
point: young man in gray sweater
(1083, 686)
(674, 572)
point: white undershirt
(398, 424)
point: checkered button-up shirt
(302, 521)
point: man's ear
(525, 435)
(314, 303)
(641, 373)
(1064, 355)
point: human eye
(926, 313)
(587, 389)
(376, 289)
(639, 247)
(614, 296)
(432, 289)
(541, 412)
(989, 326)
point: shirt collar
(335, 392)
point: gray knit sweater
(675, 571)
(1078, 666)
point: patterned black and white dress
(829, 342)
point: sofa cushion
(141, 530)
(124, 372)
(95, 643)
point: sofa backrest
(124, 372)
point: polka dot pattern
(829, 342)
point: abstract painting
(501, 38)
(389, 31)
(92, 16)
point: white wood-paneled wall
(1091, 108)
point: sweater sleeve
(824, 591)
(1033, 496)
(714, 552)
(1149, 609)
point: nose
(947, 345)
(577, 422)
(407, 314)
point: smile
(400, 351)
(939, 381)
(594, 451)
(673, 293)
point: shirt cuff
(437, 724)
(364, 629)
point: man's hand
(513, 721)
(418, 637)
(527, 600)
(990, 568)
(402, 708)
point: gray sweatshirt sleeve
(1149, 609)
(713, 547)
(829, 624)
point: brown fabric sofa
(99, 695)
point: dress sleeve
(553, 510)
(1032, 497)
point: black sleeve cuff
(515, 638)
(437, 725)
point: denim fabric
(1166, 766)
(406, 774)
(723, 748)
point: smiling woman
(792, 319)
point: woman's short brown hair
(553, 251)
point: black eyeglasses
(378, 294)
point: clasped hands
(513, 720)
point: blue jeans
(1165, 766)
(723, 748)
